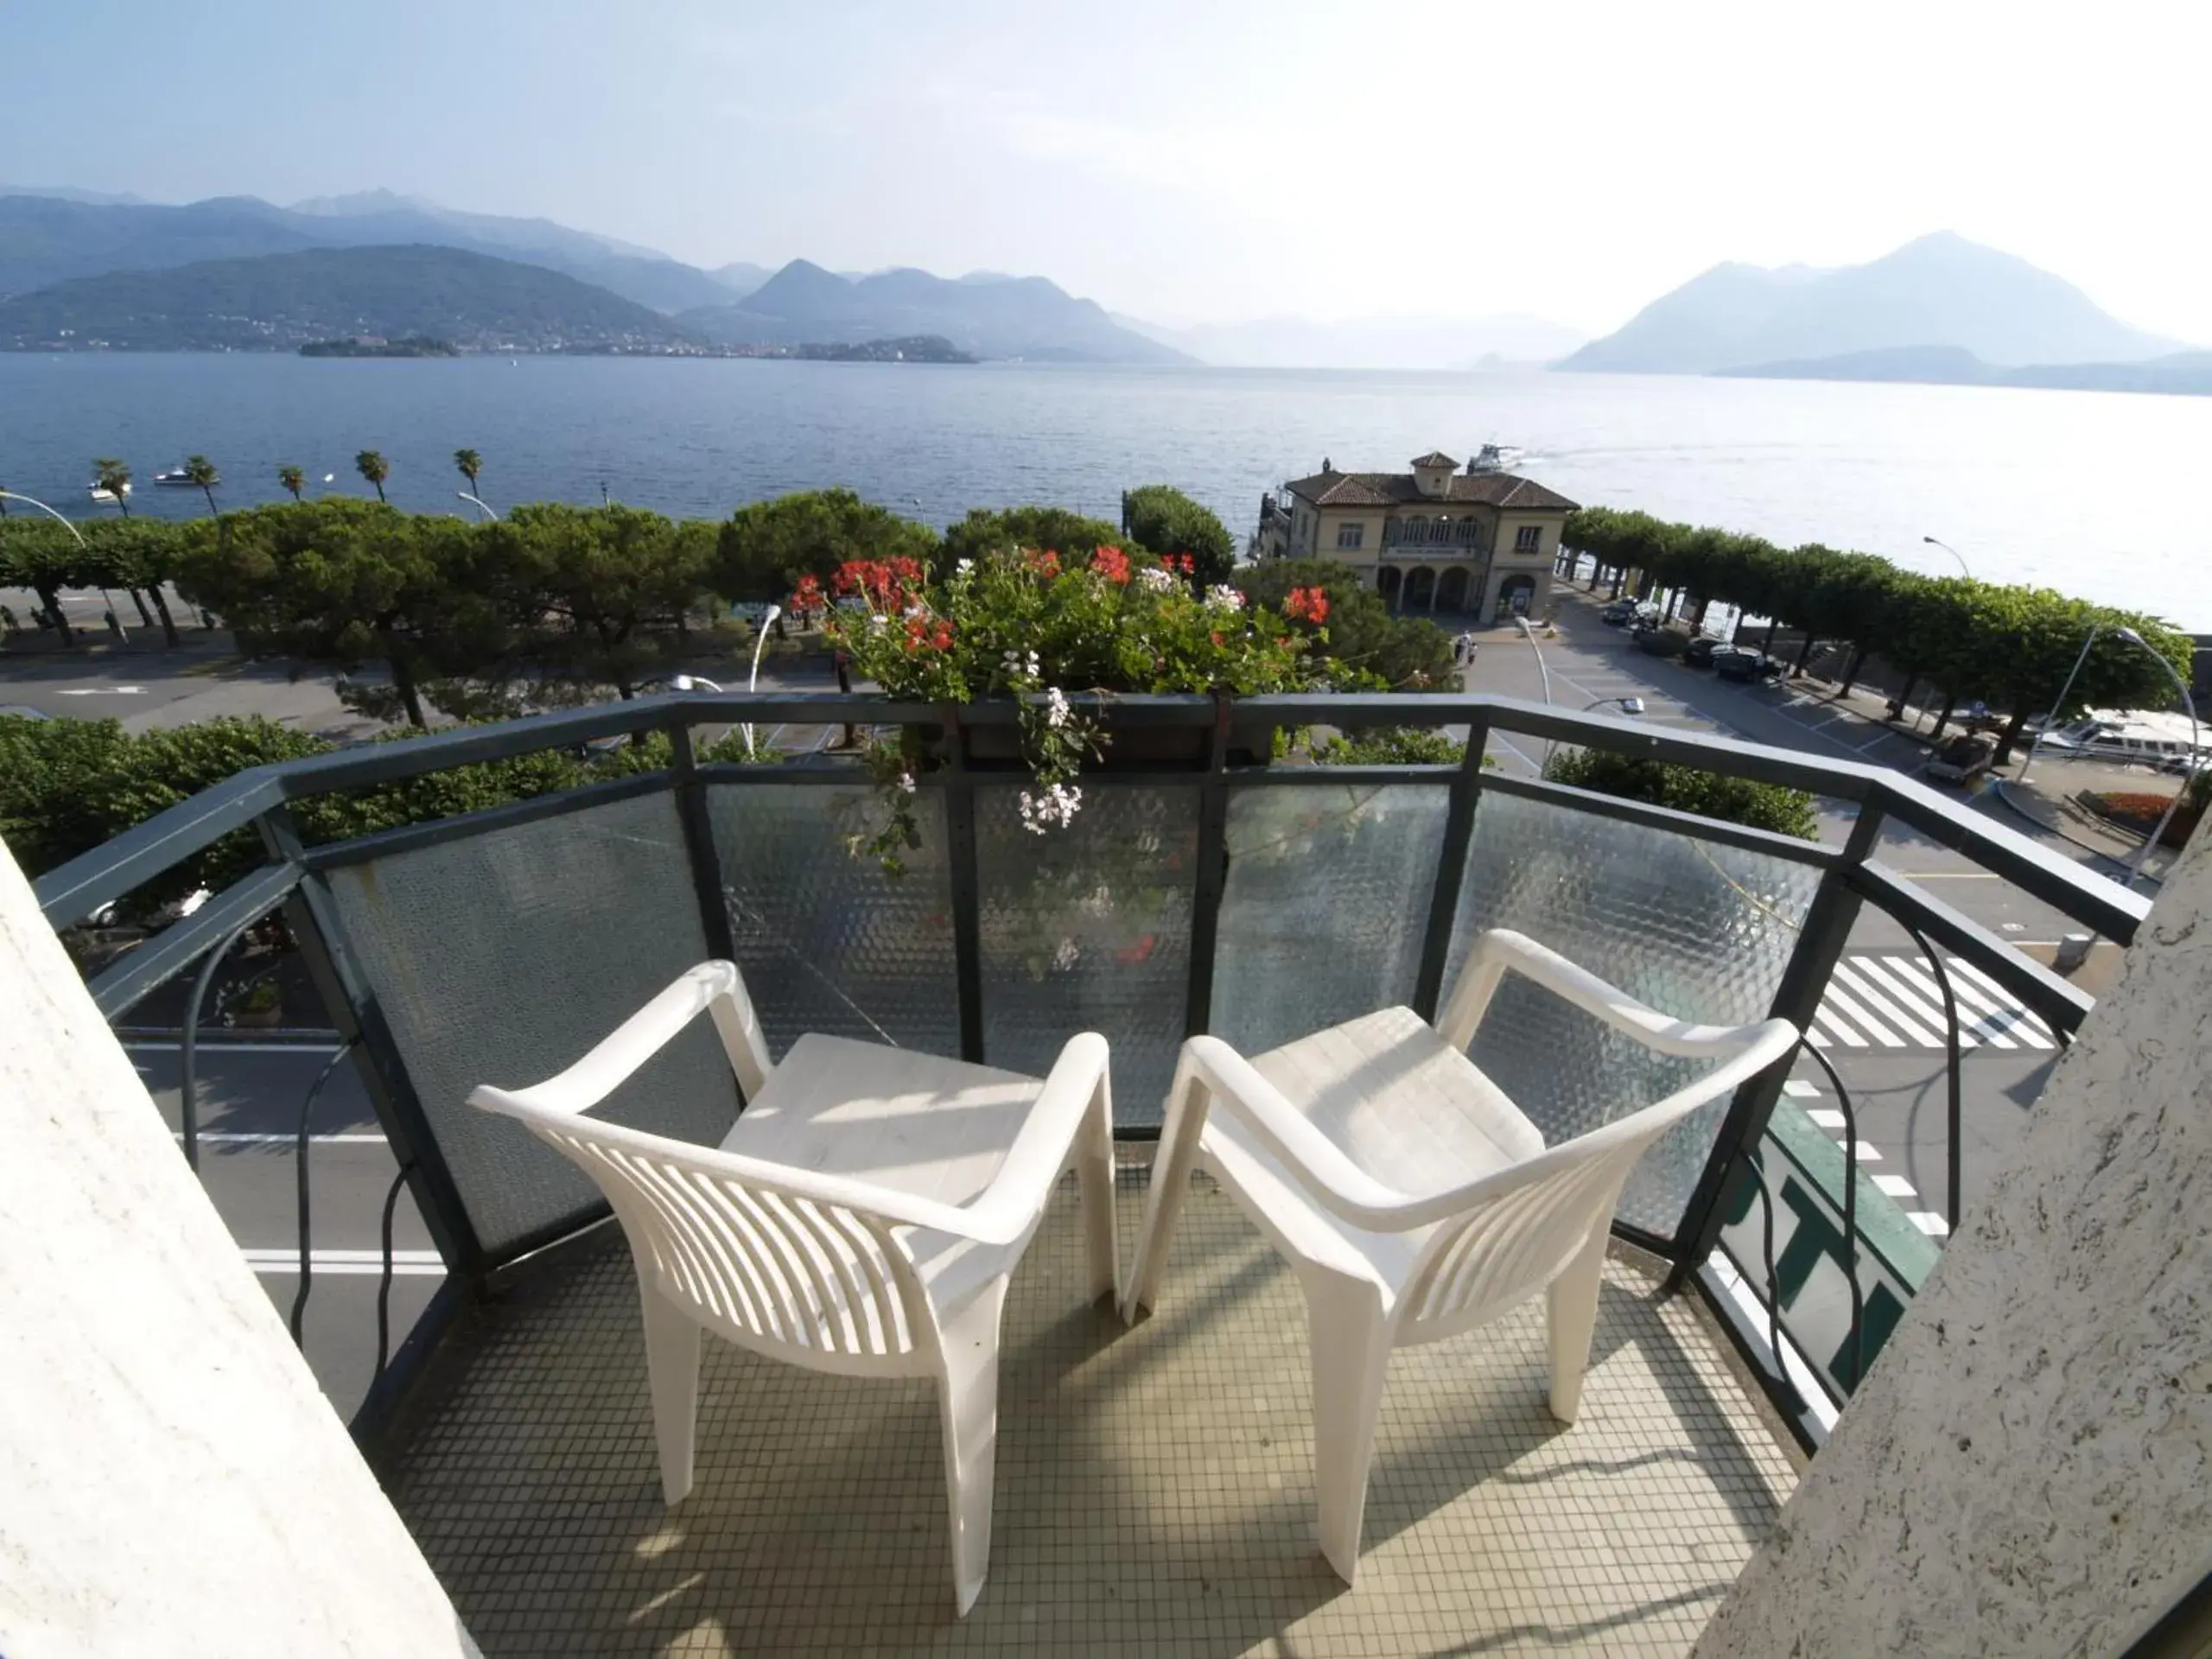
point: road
(1882, 1023)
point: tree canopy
(1046, 528)
(1164, 520)
(766, 547)
(1368, 648)
(1687, 789)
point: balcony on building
(1155, 1486)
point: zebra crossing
(1894, 1001)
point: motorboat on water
(1496, 458)
(105, 498)
(175, 478)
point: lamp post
(2188, 703)
(2072, 674)
(486, 511)
(1629, 705)
(106, 598)
(1954, 552)
(1528, 632)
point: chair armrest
(715, 985)
(1004, 1209)
(1500, 949)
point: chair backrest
(1523, 1227)
(767, 1268)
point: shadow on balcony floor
(1155, 1489)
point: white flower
(877, 622)
(1225, 597)
(1065, 957)
(906, 782)
(1156, 579)
(1056, 708)
(1057, 806)
(963, 567)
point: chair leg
(1172, 1163)
(1572, 1315)
(1095, 1173)
(672, 1365)
(967, 1402)
(1351, 1355)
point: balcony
(1154, 1485)
(1463, 541)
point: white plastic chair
(1414, 1199)
(861, 1218)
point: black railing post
(312, 914)
(967, 888)
(1212, 875)
(692, 810)
(1451, 873)
(1821, 945)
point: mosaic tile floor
(1154, 1491)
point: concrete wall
(171, 1479)
(2028, 1470)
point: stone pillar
(2028, 1469)
(174, 1480)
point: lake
(2091, 492)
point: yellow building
(1480, 542)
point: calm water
(2094, 493)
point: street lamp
(1629, 705)
(114, 615)
(2044, 731)
(1954, 552)
(488, 511)
(1528, 632)
(2188, 772)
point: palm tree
(292, 478)
(373, 466)
(470, 463)
(112, 475)
(201, 471)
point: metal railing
(1751, 1164)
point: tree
(136, 554)
(1687, 789)
(1367, 648)
(1053, 529)
(371, 465)
(766, 547)
(590, 596)
(343, 581)
(112, 475)
(40, 555)
(293, 480)
(201, 471)
(1164, 520)
(470, 464)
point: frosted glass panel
(1698, 929)
(1089, 929)
(502, 957)
(827, 941)
(1325, 907)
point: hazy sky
(1185, 160)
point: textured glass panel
(1325, 907)
(1697, 930)
(1089, 929)
(827, 941)
(503, 956)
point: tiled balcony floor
(1155, 1490)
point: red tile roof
(1399, 489)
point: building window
(1527, 538)
(1351, 535)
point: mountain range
(53, 240)
(283, 300)
(1939, 291)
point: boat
(105, 498)
(1494, 458)
(175, 480)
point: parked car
(1699, 653)
(1746, 666)
(1620, 613)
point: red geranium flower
(1046, 563)
(1111, 563)
(1307, 605)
